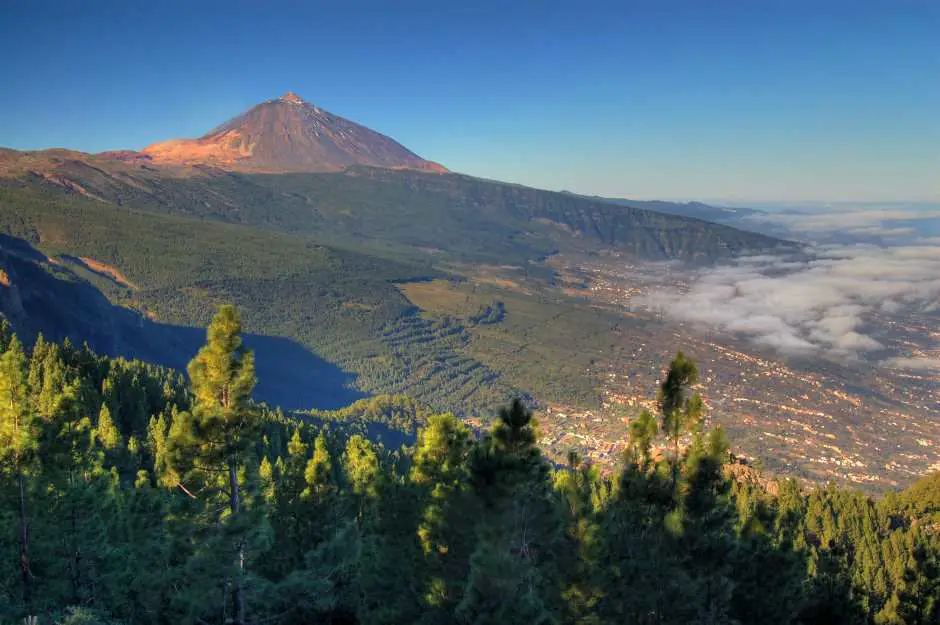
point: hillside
(318, 302)
(456, 216)
(64, 297)
(315, 259)
(365, 189)
(145, 248)
(737, 217)
(128, 518)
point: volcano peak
(298, 137)
(292, 98)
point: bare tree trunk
(238, 595)
(24, 546)
(675, 463)
(76, 556)
(225, 586)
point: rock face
(289, 134)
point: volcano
(288, 134)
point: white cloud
(882, 231)
(915, 364)
(862, 221)
(833, 301)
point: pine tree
(106, 432)
(502, 589)
(318, 473)
(637, 570)
(293, 509)
(18, 445)
(583, 495)
(520, 530)
(707, 540)
(361, 465)
(439, 464)
(6, 333)
(643, 431)
(211, 442)
(439, 470)
(681, 409)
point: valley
(455, 291)
(469, 313)
(816, 420)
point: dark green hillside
(59, 301)
(315, 258)
(341, 304)
(457, 216)
(566, 220)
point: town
(818, 421)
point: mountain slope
(63, 297)
(288, 134)
(451, 216)
(316, 257)
(730, 216)
(132, 283)
(291, 166)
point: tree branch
(185, 490)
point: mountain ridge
(469, 217)
(246, 171)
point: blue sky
(750, 100)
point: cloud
(889, 307)
(882, 231)
(836, 300)
(861, 221)
(915, 364)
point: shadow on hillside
(53, 301)
(289, 375)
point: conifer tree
(583, 494)
(78, 485)
(520, 528)
(643, 431)
(293, 511)
(319, 470)
(18, 445)
(706, 540)
(439, 469)
(361, 465)
(637, 570)
(681, 409)
(211, 442)
(106, 432)
(6, 333)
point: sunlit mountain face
(288, 134)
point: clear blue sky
(696, 99)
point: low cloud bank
(837, 301)
(858, 221)
(927, 365)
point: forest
(130, 493)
